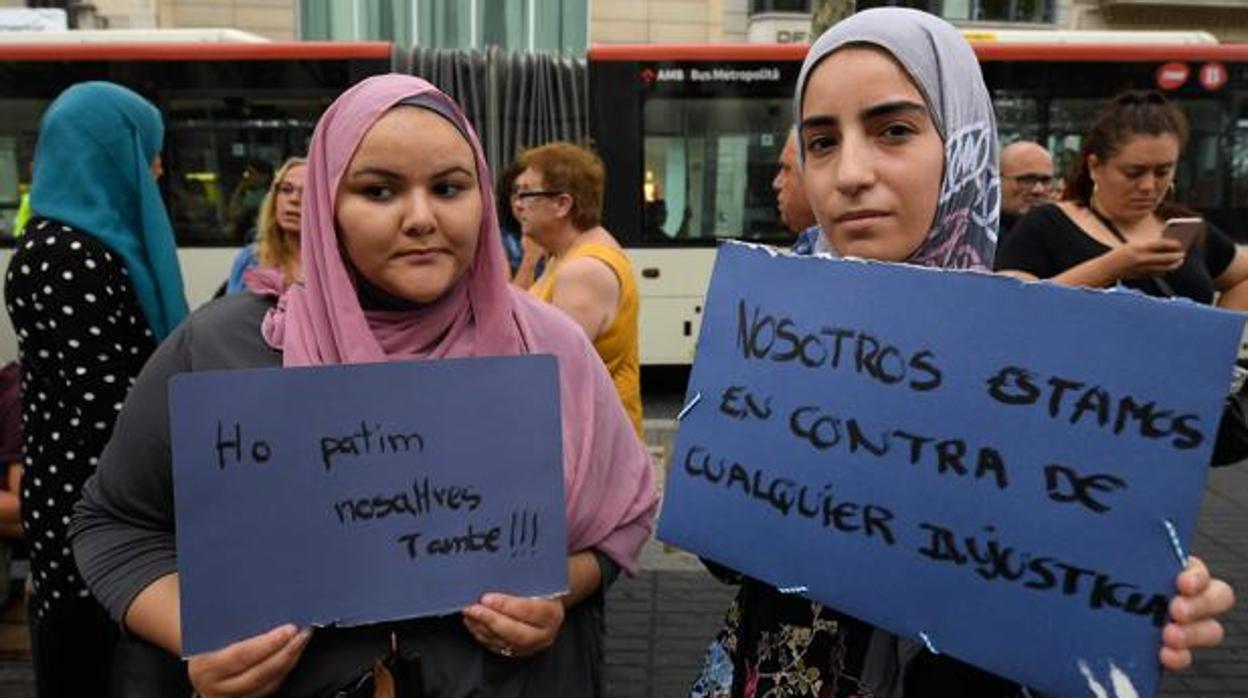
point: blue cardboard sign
(991, 466)
(356, 494)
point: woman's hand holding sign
(256, 666)
(518, 627)
(1194, 615)
(514, 626)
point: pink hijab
(608, 479)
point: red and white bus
(690, 133)
(235, 106)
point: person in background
(10, 471)
(1026, 180)
(509, 226)
(244, 203)
(23, 215)
(884, 99)
(558, 200)
(791, 200)
(92, 287)
(277, 230)
(1108, 227)
(402, 262)
(533, 260)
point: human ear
(1094, 167)
(564, 203)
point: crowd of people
(387, 242)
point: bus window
(222, 153)
(18, 132)
(1018, 116)
(708, 166)
(1200, 171)
(10, 187)
(1068, 120)
(1239, 156)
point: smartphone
(1185, 230)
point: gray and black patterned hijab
(964, 230)
(947, 74)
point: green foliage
(825, 13)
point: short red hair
(573, 170)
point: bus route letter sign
(1004, 472)
(356, 494)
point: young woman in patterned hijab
(898, 147)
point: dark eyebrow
(893, 108)
(877, 111)
(387, 174)
(376, 171)
(817, 122)
(453, 169)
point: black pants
(71, 647)
(143, 670)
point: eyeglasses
(523, 195)
(1031, 179)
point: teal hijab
(93, 159)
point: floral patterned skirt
(774, 645)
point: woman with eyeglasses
(1110, 226)
(557, 198)
(277, 232)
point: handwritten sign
(990, 465)
(356, 494)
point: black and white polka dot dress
(82, 339)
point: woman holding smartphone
(1111, 226)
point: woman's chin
(424, 291)
(421, 295)
(866, 248)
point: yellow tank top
(618, 345)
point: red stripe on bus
(1110, 52)
(196, 51)
(986, 51)
(698, 52)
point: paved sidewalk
(659, 623)
(1222, 542)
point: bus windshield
(709, 164)
(221, 154)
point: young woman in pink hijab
(401, 260)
